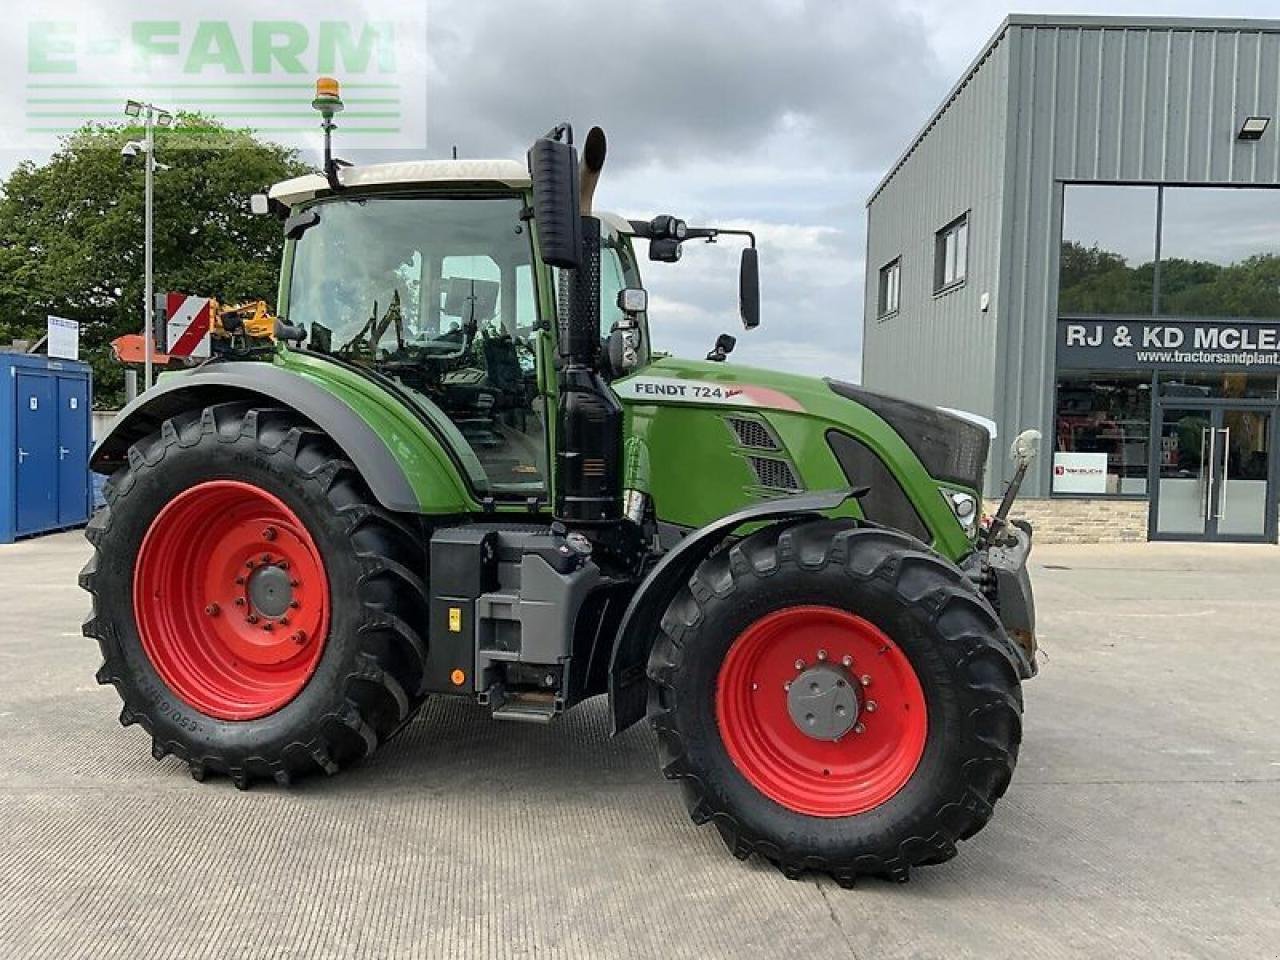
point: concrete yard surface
(1143, 820)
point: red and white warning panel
(187, 326)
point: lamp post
(153, 117)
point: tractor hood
(952, 447)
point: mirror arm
(711, 233)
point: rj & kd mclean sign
(1168, 344)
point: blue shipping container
(45, 430)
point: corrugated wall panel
(1112, 103)
(941, 348)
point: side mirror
(299, 223)
(553, 168)
(259, 205)
(1025, 448)
(749, 288)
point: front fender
(405, 466)
(628, 690)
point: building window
(1108, 259)
(1219, 252)
(1102, 425)
(890, 287)
(1169, 251)
(951, 254)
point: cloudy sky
(780, 115)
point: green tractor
(459, 469)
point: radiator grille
(752, 434)
(773, 473)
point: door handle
(22, 454)
(1206, 462)
(62, 453)
(1222, 481)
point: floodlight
(1253, 128)
(132, 108)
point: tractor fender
(221, 382)
(628, 689)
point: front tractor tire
(837, 699)
(256, 609)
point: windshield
(412, 277)
(439, 295)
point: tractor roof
(509, 173)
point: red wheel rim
(231, 600)
(840, 776)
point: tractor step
(535, 706)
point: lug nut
(846, 660)
(239, 581)
(294, 604)
(787, 685)
(294, 583)
(266, 558)
(284, 564)
(269, 533)
(249, 564)
(865, 679)
(871, 706)
(799, 664)
(239, 601)
(252, 618)
(300, 637)
(822, 654)
(859, 728)
(268, 627)
(212, 609)
(284, 621)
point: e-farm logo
(85, 59)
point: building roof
(509, 173)
(1231, 24)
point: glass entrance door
(1213, 474)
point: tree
(71, 232)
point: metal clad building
(1116, 119)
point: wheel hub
(269, 591)
(823, 702)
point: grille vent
(752, 434)
(776, 474)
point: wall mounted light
(1253, 128)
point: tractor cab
(427, 274)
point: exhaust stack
(589, 438)
(593, 151)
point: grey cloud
(675, 82)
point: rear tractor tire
(837, 699)
(256, 609)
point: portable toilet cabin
(44, 444)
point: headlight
(963, 505)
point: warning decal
(187, 329)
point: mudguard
(628, 689)
(220, 382)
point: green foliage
(1096, 281)
(71, 232)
